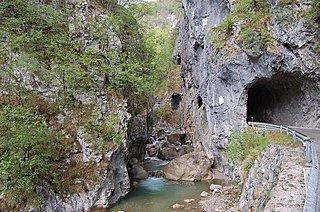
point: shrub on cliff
(26, 149)
(245, 146)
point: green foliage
(283, 3)
(167, 115)
(254, 28)
(220, 33)
(108, 131)
(314, 15)
(244, 147)
(314, 11)
(148, 66)
(42, 35)
(25, 152)
(161, 43)
(160, 15)
(142, 9)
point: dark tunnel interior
(260, 99)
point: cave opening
(276, 99)
(176, 98)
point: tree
(26, 150)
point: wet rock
(188, 142)
(136, 171)
(98, 196)
(189, 200)
(215, 188)
(204, 194)
(189, 167)
(150, 140)
(156, 174)
(152, 150)
(139, 130)
(161, 134)
(168, 152)
(177, 206)
(135, 184)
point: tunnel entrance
(261, 98)
(276, 99)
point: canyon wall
(98, 131)
(231, 77)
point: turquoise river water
(158, 195)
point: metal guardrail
(312, 201)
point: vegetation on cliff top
(244, 147)
(254, 19)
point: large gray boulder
(193, 166)
(169, 151)
(136, 171)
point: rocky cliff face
(228, 85)
(98, 134)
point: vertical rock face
(140, 128)
(226, 87)
(98, 134)
(113, 185)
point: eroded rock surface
(189, 167)
(226, 87)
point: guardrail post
(307, 146)
(265, 127)
(281, 129)
(294, 137)
(287, 131)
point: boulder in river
(189, 200)
(215, 188)
(193, 166)
(177, 138)
(152, 149)
(169, 151)
(136, 171)
(204, 194)
(177, 206)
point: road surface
(314, 134)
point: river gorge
(125, 105)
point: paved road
(314, 134)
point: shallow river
(158, 195)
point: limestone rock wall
(92, 169)
(222, 78)
(111, 185)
